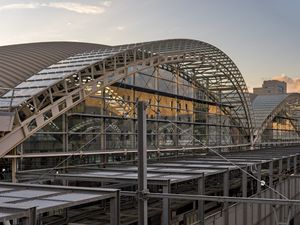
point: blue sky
(261, 36)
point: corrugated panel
(19, 62)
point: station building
(68, 104)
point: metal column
(280, 171)
(32, 217)
(295, 164)
(280, 178)
(166, 205)
(226, 185)
(271, 185)
(244, 193)
(201, 191)
(14, 167)
(115, 209)
(259, 183)
(142, 164)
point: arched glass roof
(19, 62)
(267, 107)
(76, 76)
(264, 105)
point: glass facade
(179, 115)
(282, 129)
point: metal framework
(267, 107)
(56, 89)
(30, 201)
(272, 166)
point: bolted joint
(143, 195)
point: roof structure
(266, 107)
(53, 90)
(263, 105)
(17, 199)
(19, 62)
(162, 173)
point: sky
(260, 36)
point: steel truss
(289, 103)
(35, 105)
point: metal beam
(32, 217)
(258, 192)
(244, 193)
(115, 210)
(142, 164)
(166, 206)
(269, 201)
(226, 188)
(201, 191)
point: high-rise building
(271, 87)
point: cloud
(70, 6)
(120, 28)
(19, 6)
(77, 7)
(107, 3)
(293, 84)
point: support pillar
(201, 191)
(14, 167)
(115, 210)
(142, 164)
(295, 165)
(65, 143)
(280, 170)
(271, 193)
(226, 185)
(259, 192)
(166, 205)
(244, 193)
(280, 178)
(32, 217)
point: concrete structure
(271, 87)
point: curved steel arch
(56, 89)
(19, 62)
(270, 113)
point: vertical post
(166, 205)
(226, 193)
(12, 99)
(115, 209)
(176, 106)
(142, 164)
(201, 191)
(271, 185)
(280, 170)
(32, 217)
(14, 167)
(258, 192)
(295, 164)
(280, 177)
(244, 193)
(65, 144)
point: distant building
(271, 87)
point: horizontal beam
(122, 151)
(270, 201)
